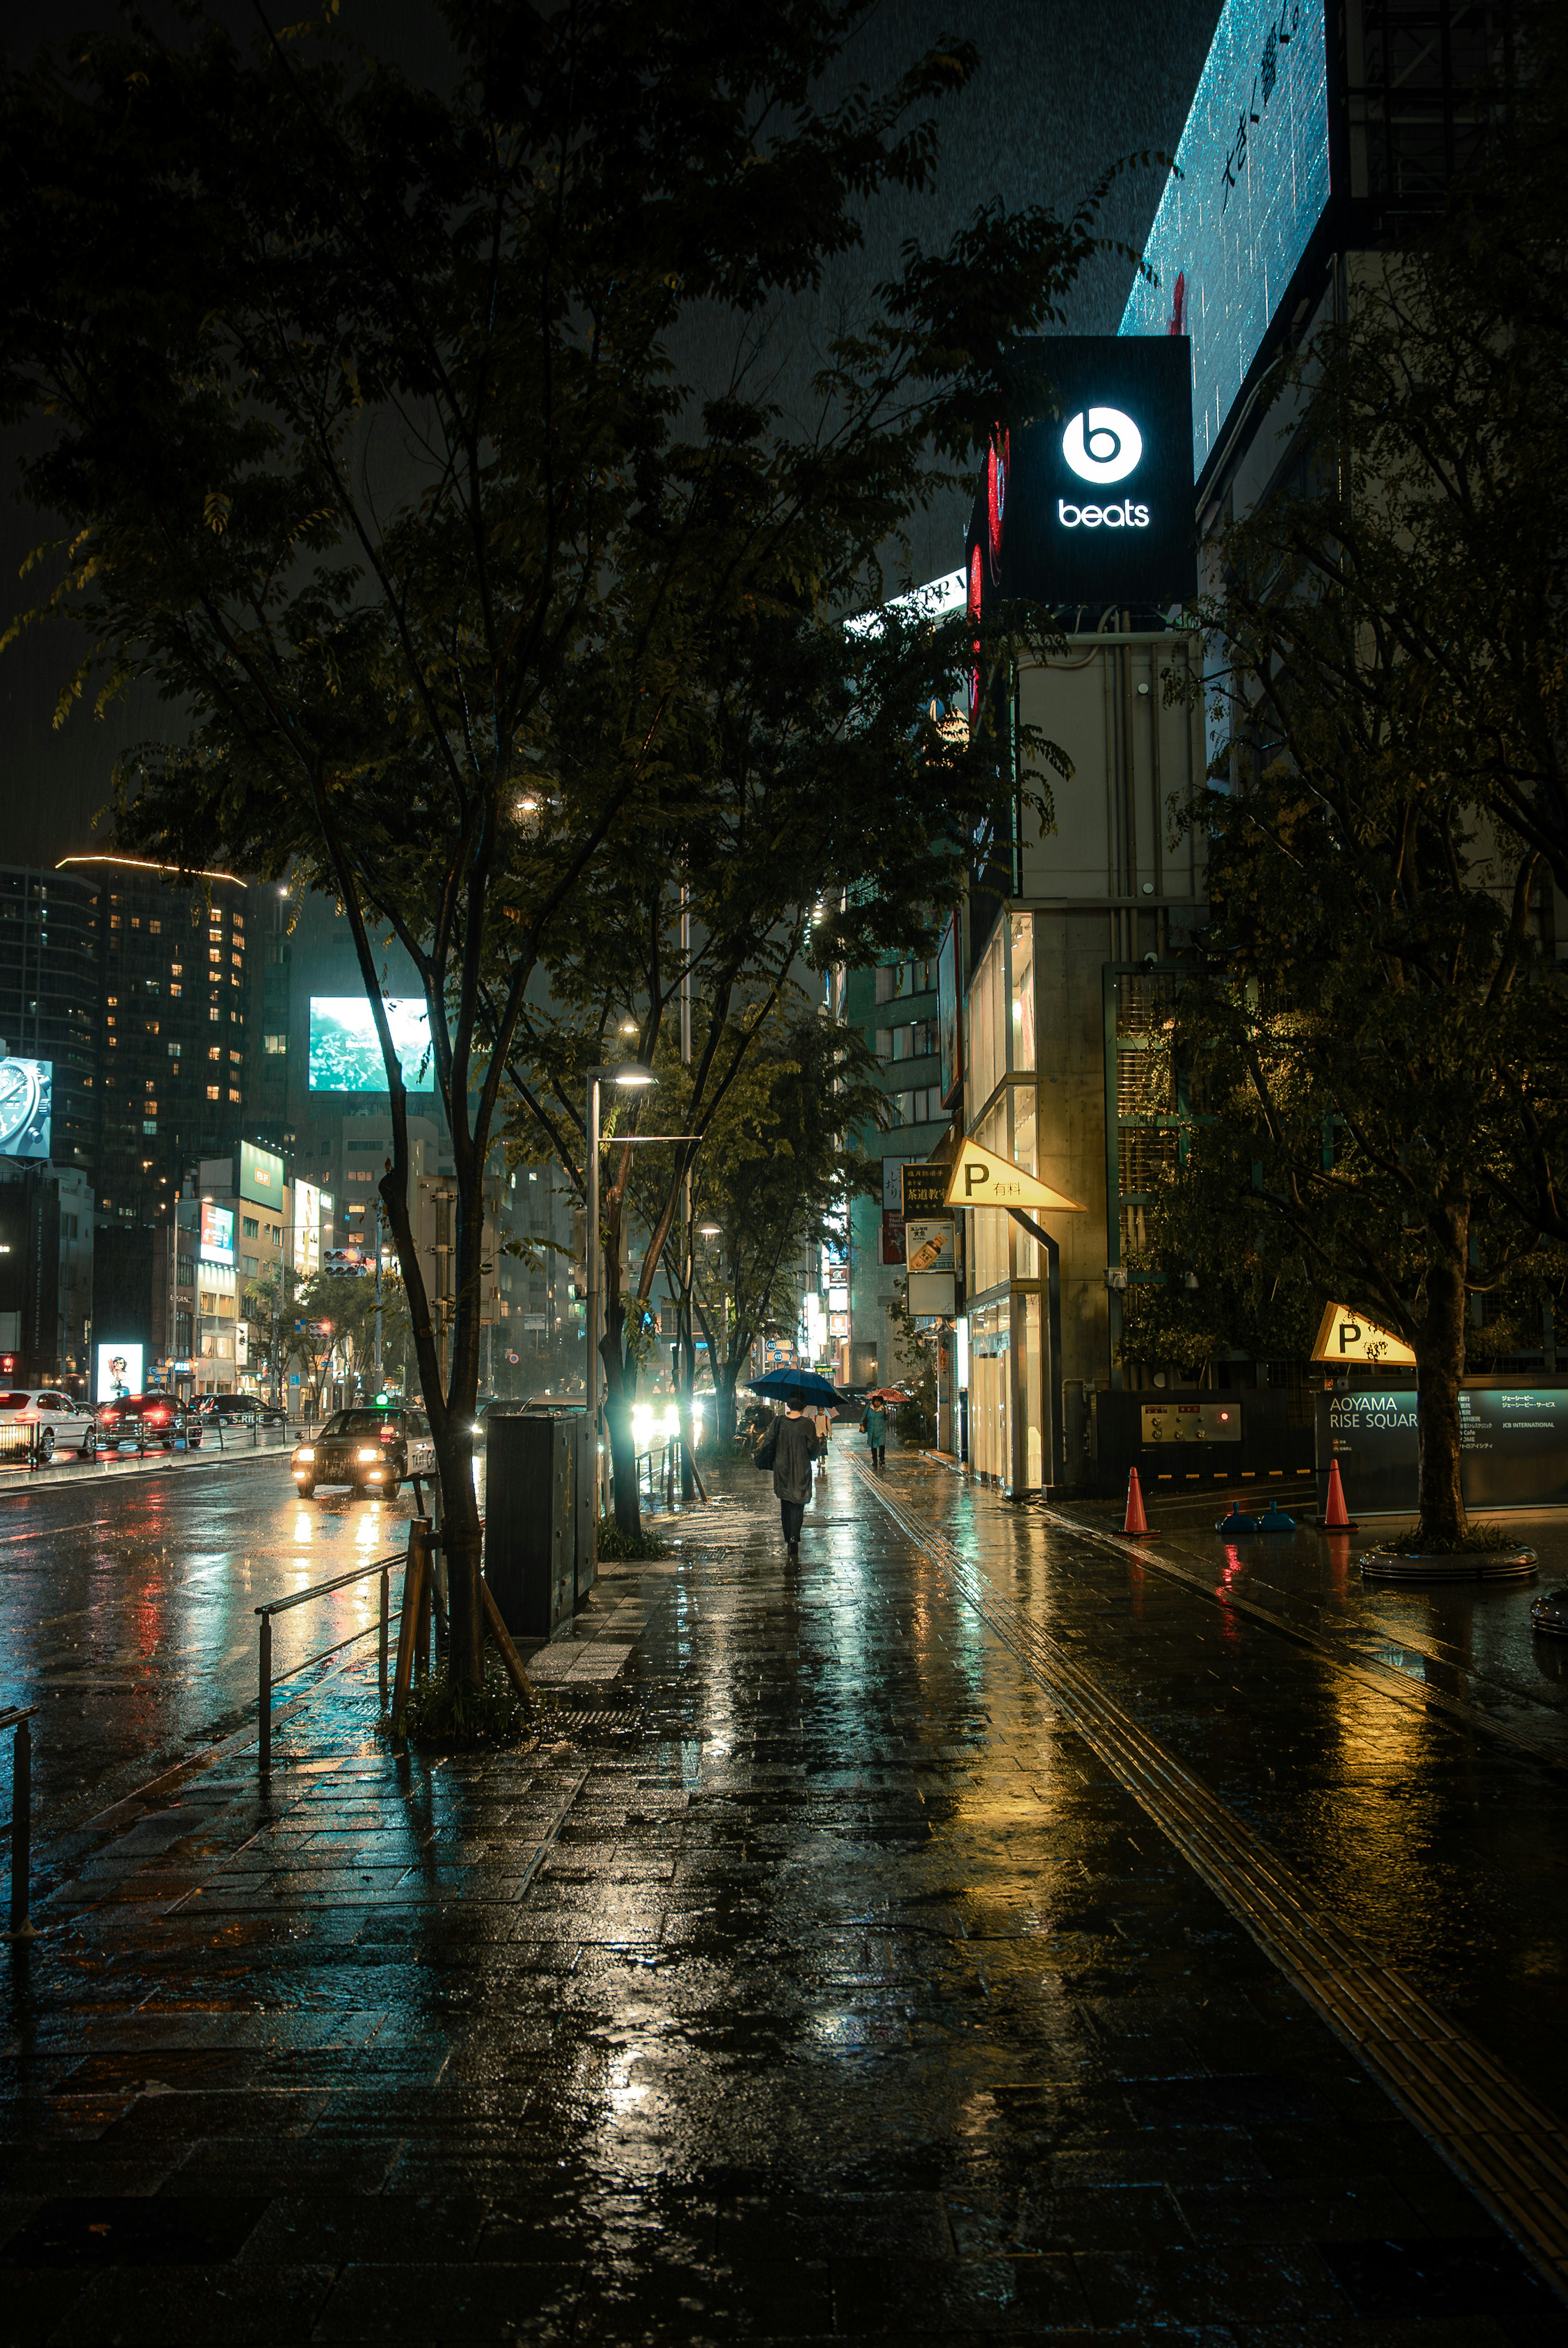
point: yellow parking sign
(1346, 1336)
(981, 1178)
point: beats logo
(1126, 515)
(1102, 445)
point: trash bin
(538, 1527)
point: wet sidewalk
(819, 1980)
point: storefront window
(986, 1043)
(1028, 1388)
(991, 1228)
(990, 1424)
(1020, 1147)
(1022, 983)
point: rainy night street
(965, 1935)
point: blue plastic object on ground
(1236, 1522)
(1275, 1520)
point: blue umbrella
(795, 1385)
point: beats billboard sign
(1088, 500)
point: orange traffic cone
(1337, 1518)
(1137, 1523)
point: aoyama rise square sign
(1088, 500)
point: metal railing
(18, 1718)
(381, 1565)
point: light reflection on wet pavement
(130, 1607)
(817, 1983)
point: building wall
(894, 1008)
(1107, 901)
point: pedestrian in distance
(790, 1451)
(823, 1427)
(873, 1425)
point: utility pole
(686, 1378)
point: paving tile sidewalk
(816, 1984)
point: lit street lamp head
(632, 1073)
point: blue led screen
(1231, 231)
(345, 1050)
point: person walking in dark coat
(797, 1447)
(875, 1426)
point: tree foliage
(362, 421)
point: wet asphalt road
(129, 1601)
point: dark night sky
(1064, 90)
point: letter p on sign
(974, 1177)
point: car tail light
(389, 1435)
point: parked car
(161, 1419)
(369, 1448)
(54, 1421)
(239, 1410)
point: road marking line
(1510, 2151)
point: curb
(34, 1488)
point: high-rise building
(171, 1041)
(51, 1000)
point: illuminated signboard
(306, 1229)
(27, 1095)
(217, 1234)
(345, 1050)
(118, 1372)
(929, 1253)
(1254, 184)
(1090, 501)
(1514, 1447)
(261, 1177)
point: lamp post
(632, 1077)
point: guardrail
(18, 1718)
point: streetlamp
(632, 1077)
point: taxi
(373, 1448)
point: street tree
(829, 808)
(357, 402)
(776, 1177)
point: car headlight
(307, 1452)
(364, 1455)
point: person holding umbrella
(822, 1423)
(793, 1446)
(874, 1426)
